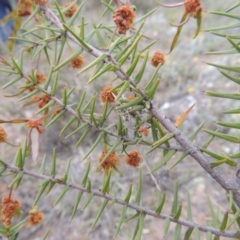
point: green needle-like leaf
(223, 225)
(62, 194)
(164, 160)
(81, 41)
(16, 181)
(142, 69)
(199, 23)
(176, 37)
(104, 204)
(123, 214)
(188, 234)
(79, 196)
(106, 185)
(161, 203)
(224, 136)
(178, 213)
(215, 220)
(88, 200)
(167, 223)
(98, 140)
(54, 157)
(197, 233)
(161, 141)
(85, 176)
(85, 133)
(40, 192)
(94, 62)
(177, 232)
(175, 200)
(139, 188)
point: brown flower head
(44, 100)
(133, 158)
(24, 13)
(35, 123)
(35, 217)
(77, 62)
(144, 131)
(112, 160)
(10, 208)
(3, 134)
(58, 110)
(24, 8)
(123, 18)
(40, 78)
(107, 95)
(158, 58)
(69, 13)
(192, 7)
(43, 2)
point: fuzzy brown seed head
(3, 134)
(77, 62)
(46, 98)
(123, 18)
(192, 7)
(24, 13)
(35, 217)
(107, 95)
(58, 110)
(69, 13)
(144, 131)
(133, 158)
(43, 2)
(35, 123)
(41, 104)
(40, 78)
(158, 58)
(10, 207)
(25, 8)
(112, 160)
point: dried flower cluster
(144, 131)
(24, 8)
(40, 78)
(43, 100)
(3, 134)
(158, 58)
(107, 95)
(77, 62)
(10, 208)
(112, 160)
(192, 7)
(123, 18)
(35, 217)
(69, 13)
(35, 123)
(133, 158)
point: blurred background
(184, 76)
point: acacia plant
(127, 122)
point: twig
(229, 234)
(227, 184)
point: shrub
(117, 103)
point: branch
(227, 184)
(229, 234)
